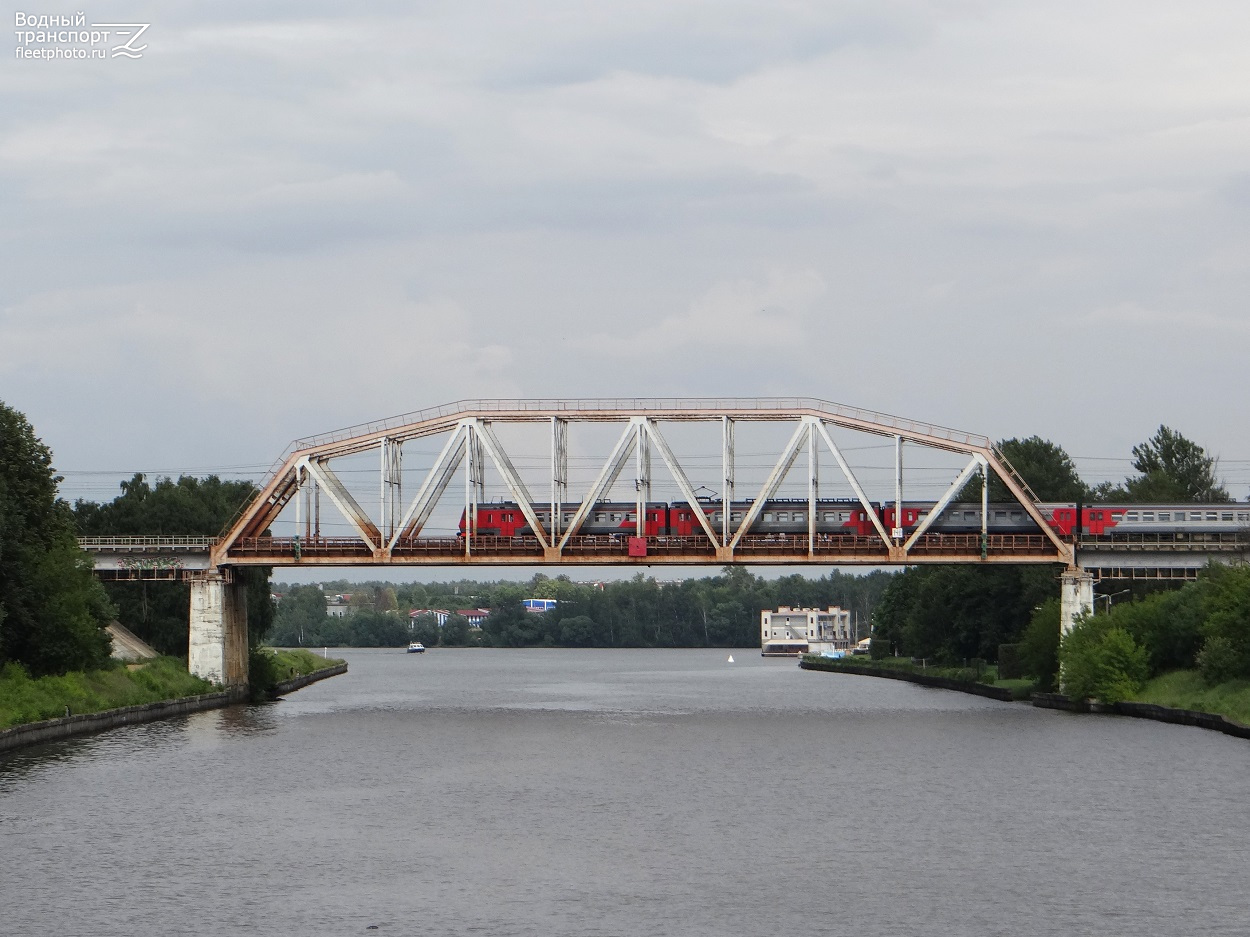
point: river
(636, 792)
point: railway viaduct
(310, 510)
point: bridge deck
(1113, 557)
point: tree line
(956, 613)
(716, 611)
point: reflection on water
(628, 792)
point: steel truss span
(311, 508)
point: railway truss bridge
(543, 460)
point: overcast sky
(1009, 217)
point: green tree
(456, 631)
(957, 613)
(1101, 661)
(301, 619)
(159, 611)
(1225, 599)
(1039, 645)
(1173, 468)
(1046, 466)
(578, 631)
(52, 611)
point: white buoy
(731, 659)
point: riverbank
(49, 730)
(982, 682)
(1138, 710)
(1181, 698)
(25, 699)
(1186, 690)
(84, 697)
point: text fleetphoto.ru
(57, 36)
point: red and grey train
(848, 517)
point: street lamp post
(1108, 598)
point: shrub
(1039, 646)
(1101, 662)
(262, 673)
(1220, 660)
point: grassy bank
(23, 699)
(296, 662)
(268, 667)
(1185, 689)
(986, 674)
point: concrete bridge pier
(1076, 597)
(218, 650)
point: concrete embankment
(51, 729)
(290, 686)
(942, 683)
(1185, 717)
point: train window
(1195, 515)
(1000, 515)
(1163, 516)
(800, 516)
(1244, 518)
(1211, 515)
(1131, 516)
(1117, 515)
(1226, 517)
(599, 518)
(1016, 515)
(768, 517)
(615, 517)
(783, 516)
(970, 515)
(736, 516)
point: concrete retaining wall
(290, 686)
(51, 729)
(1185, 717)
(35, 732)
(942, 683)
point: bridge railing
(657, 405)
(122, 544)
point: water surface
(553, 792)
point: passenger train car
(848, 517)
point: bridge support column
(1076, 597)
(218, 649)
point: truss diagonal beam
(775, 478)
(282, 490)
(852, 481)
(510, 477)
(436, 481)
(679, 476)
(607, 477)
(978, 461)
(1027, 500)
(343, 500)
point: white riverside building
(789, 632)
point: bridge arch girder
(306, 463)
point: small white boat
(416, 647)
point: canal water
(564, 792)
